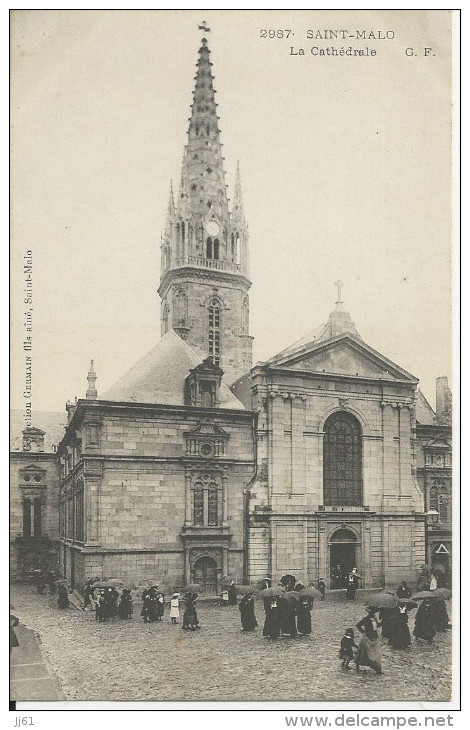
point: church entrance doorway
(342, 557)
(205, 574)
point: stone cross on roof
(339, 284)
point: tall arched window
(214, 331)
(206, 501)
(342, 460)
(180, 309)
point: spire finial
(91, 393)
(339, 285)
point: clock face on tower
(212, 228)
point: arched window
(165, 314)
(214, 331)
(342, 460)
(216, 248)
(206, 501)
(180, 309)
(209, 248)
(440, 500)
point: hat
(175, 595)
(349, 632)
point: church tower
(204, 251)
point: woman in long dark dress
(369, 652)
(63, 599)
(125, 609)
(247, 613)
(304, 618)
(267, 618)
(150, 606)
(232, 594)
(88, 594)
(272, 623)
(386, 619)
(425, 627)
(287, 613)
(190, 620)
(399, 634)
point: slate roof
(51, 422)
(160, 375)
(424, 413)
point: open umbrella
(442, 594)
(384, 599)
(103, 584)
(291, 596)
(310, 592)
(438, 568)
(243, 590)
(286, 579)
(116, 582)
(271, 592)
(262, 583)
(421, 595)
(409, 604)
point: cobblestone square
(133, 661)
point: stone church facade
(197, 465)
(336, 482)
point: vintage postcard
(231, 383)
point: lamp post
(431, 517)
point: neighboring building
(152, 476)
(434, 472)
(336, 473)
(34, 492)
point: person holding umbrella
(399, 633)
(369, 652)
(287, 613)
(247, 610)
(271, 628)
(425, 627)
(125, 609)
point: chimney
(443, 401)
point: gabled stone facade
(336, 481)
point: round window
(27, 478)
(37, 478)
(206, 449)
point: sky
(345, 165)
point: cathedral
(197, 465)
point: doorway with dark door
(342, 557)
(205, 575)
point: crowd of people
(287, 609)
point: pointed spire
(237, 209)
(203, 191)
(92, 393)
(171, 202)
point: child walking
(174, 608)
(346, 649)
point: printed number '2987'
(275, 33)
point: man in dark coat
(353, 582)
(403, 591)
(287, 614)
(304, 618)
(322, 588)
(125, 604)
(63, 599)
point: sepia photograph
(231, 378)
